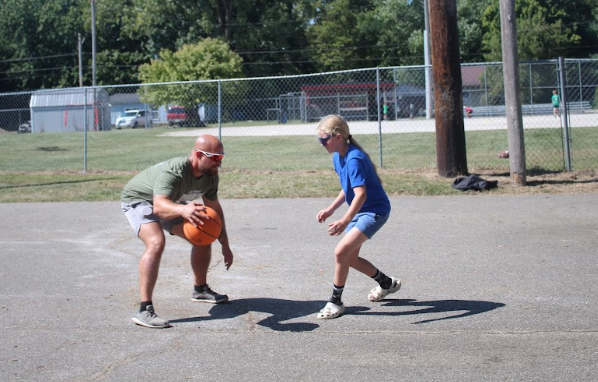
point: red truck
(177, 115)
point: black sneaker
(150, 319)
(209, 296)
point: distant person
(556, 104)
(368, 210)
(468, 111)
(160, 199)
(385, 111)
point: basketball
(206, 233)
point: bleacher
(536, 109)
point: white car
(133, 119)
(25, 127)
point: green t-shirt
(174, 178)
(556, 100)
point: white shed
(64, 110)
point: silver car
(133, 119)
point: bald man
(161, 198)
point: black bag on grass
(473, 182)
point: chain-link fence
(390, 112)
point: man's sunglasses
(324, 140)
(213, 156)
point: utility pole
(510, 60)
(448, 92)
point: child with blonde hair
(369, 209)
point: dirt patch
(581, 181)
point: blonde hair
(336, 125)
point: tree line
(39, 38)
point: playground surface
(495, 288)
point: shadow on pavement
(284, 310)
(468, 307)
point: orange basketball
(206, 233)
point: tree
(334, 38)
(210, 59)
(269, 36)
(542, 33)
(120, 44)
(38, 38)
(471, 29)
(395, 29)
(39, 43)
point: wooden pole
(510, 60)
(448, 92)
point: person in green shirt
(161, 198)
(556, 103)
(385, 111)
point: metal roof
(68, 97)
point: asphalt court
(495, 288)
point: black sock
(200, 288)
(384, 281)
(337, 292)
(144, 304)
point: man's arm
(166, 209)
(223, 238)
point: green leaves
(545, 28)
(210, 59)
(38, 38)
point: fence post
(580, 86)
(394, 96)
(379, 117)
(220, 110)
(566, 138)
(486, 86)
(85, 132)
(531, 85)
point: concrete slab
(495, 288)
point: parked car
(133, 119)
(177, 115)
(25, 127)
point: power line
(37, 58)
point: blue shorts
(368, 223)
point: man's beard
(212, 171)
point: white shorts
(139, 213)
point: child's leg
(347, 253)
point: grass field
(50, 167)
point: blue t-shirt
(354, 170)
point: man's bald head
(201, 157)
(208, 143)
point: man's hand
(194, 213)
(228, 256)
